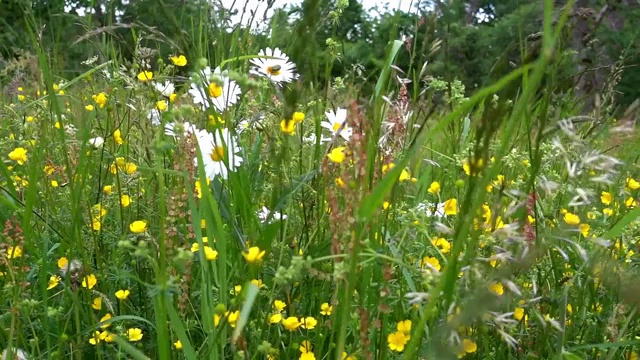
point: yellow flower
(19, 155)
(134, 334)
(434, 188)
(54, 184)
(88, 107)
(89, 281)
(346, 356)
(253, 254)
(233, 317)
(162, 105)
(105, 318)
(179, 60)
(14, 252)
(125, 200)
(195, 247)
(100, 99)
(404, 327)
(397, 341)
(337, 154)
(326, 309)
(117, 136)
(279, 305)
(138, 226)
(130, 168)
(569, 309)
(95, 339)
(386, 205)
(97, 303)
(275, 318)
(288, 127)
(62, 263)
(309, 323)
(442, 244)
(177, 345)
(496, 288)
(607, 211)
(475, 167)
(571, 219)
(210, 254)
(404, 176)
(584, 229)
(630, 202)
(291, 323)
(633, 184)
(305, 346)
(298, 117)
(451, 207)
(53, 282)
(518, 313)
(107, 190)
(606, 198)
(307, 356)
(122, 294)
(429, 260)
(468, 347)
(145, 76)
(96, 224)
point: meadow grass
(248, 214)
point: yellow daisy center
(215, 90)
(218, 153)
(274, 70)
(336, 126)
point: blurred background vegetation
(473, 41)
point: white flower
(70, 130)
(311, 139)
(254, 123)
(154, 116)
(96, 142)
(165, 89)
(277, 70)
(432, 210)
(220, 153)
(263, 215)
(17, 354)
(188, 128)
(334, 122)
(221, 92)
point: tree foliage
(474, 41)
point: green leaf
(250, 298)
(386, 70)
(130, 349)
(616, 229)
(178, 327)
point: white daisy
(278, 70)
(221, 92)
(256, 123)
(96, 142)
(154, 116)
(188, 128)
(165, 89)
(311, 139)
(334, 122)
(432, 210)
(264, 213)
(220, 152)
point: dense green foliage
(475, 42)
